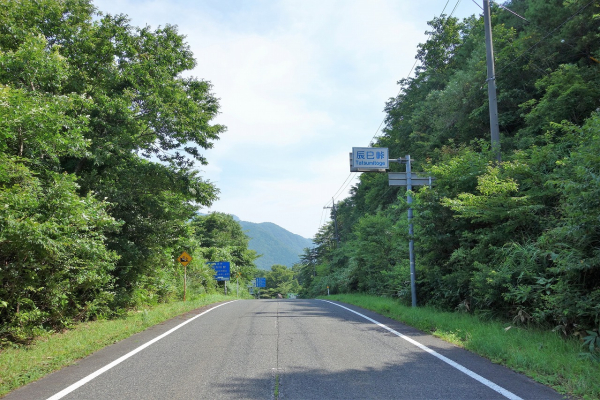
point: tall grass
(22, 365)
(541, 354)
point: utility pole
(491, 80)
(337, 236)
(411, 242)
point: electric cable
(347, 181)
(399, 91)
(321, 221)
(445, 7)
(454, 9)
(413, 67)
(340, 189)
(545, 37)
(477, 4)
(510, 11)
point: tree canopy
(516, 240)
(100, 138)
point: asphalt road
(286, 349)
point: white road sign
(369, 159)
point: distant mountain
(277, 245)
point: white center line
(479, 378)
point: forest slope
(276, 244)
(516, 240)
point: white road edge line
(479, 378)
(119, 360)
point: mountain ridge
(276, 244)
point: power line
(340, 189)
(321, 221)
(454, 9)
(545, 37)
(399, 91)
(375, 135)
(411, 70)
(445, 7)
(510, 11)
(347, 181)
(415, 64)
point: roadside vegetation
(540, 354)
(100, 136)
(101, 129)
(516, 241)
(498, 245)
(281, 280)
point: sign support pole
(358, 163)
(184, 259)
(411, 243)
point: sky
(300, 83)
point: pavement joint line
(477, 377)
(119, 360)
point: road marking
(479, 378)
(102, 370)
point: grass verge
(20, 366)
(541, 355)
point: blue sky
(301, 82)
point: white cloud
(300, 83)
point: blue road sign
(261, 282)
(222, 271)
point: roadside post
(370, 159)
(184, 259)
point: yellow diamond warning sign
(184, 259)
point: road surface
(284, 349)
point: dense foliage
(519, 240)
(281, 281)
(99, 135)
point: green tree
(516, 240)
(219, 237)
(281, 280)
(95, 108)
(122, 100)
(55, 265)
